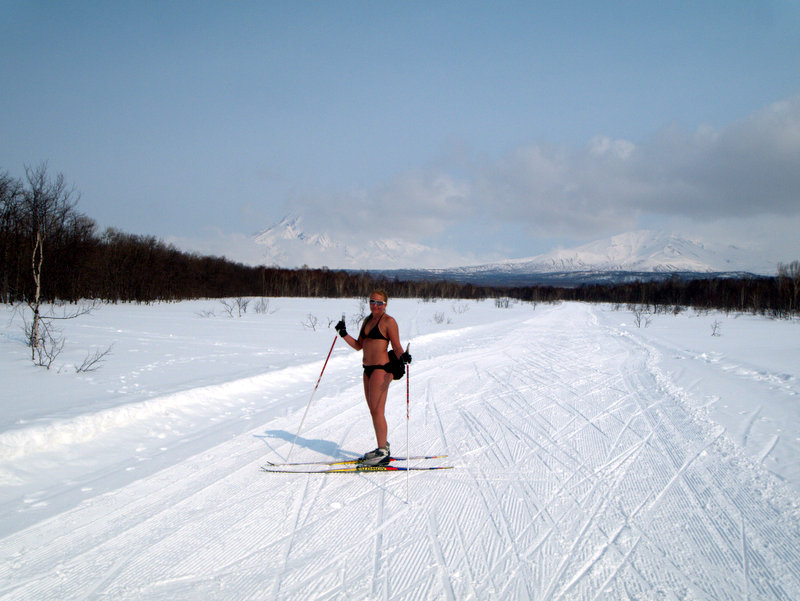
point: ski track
(579, 475)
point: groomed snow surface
(593, 459)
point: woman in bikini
(377, 331)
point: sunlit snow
(593, 458)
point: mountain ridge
(638, 251)
(650, 252)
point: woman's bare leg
(376, 389)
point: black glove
(405, 357)
(341, 328)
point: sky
(477, 131)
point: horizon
(289, 239)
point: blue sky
(479, 130)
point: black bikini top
(375, 332)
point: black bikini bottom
(368, 369)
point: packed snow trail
(579, 474)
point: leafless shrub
(460, 308)
(235, 307)
(49, 345)
(93, 361)
(262, 307)
(311, 322)
(641, 317)
(43, 338)
(227, 307)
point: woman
(377, 331)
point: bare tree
(51, 341)
(47, 205)
(790, 274)
(10, 199)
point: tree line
(50, 251)
(772, 296)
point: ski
(353, 461)
(354, 468)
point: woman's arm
(353, 342)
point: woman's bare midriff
(375, 352)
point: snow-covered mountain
(289, 244)
(634, 255)
(639, 251)
(286, 240)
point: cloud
(488, 205)
(748, 168)
(414, 205)
(555, 191)
(215, 242)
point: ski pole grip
(342, 331)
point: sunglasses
(376, 302)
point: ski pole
(312, 397)
(408, 413)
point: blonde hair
(381, 293)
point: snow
(288, 243)
(593, 459)
(642, 251)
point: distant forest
(49, 251)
